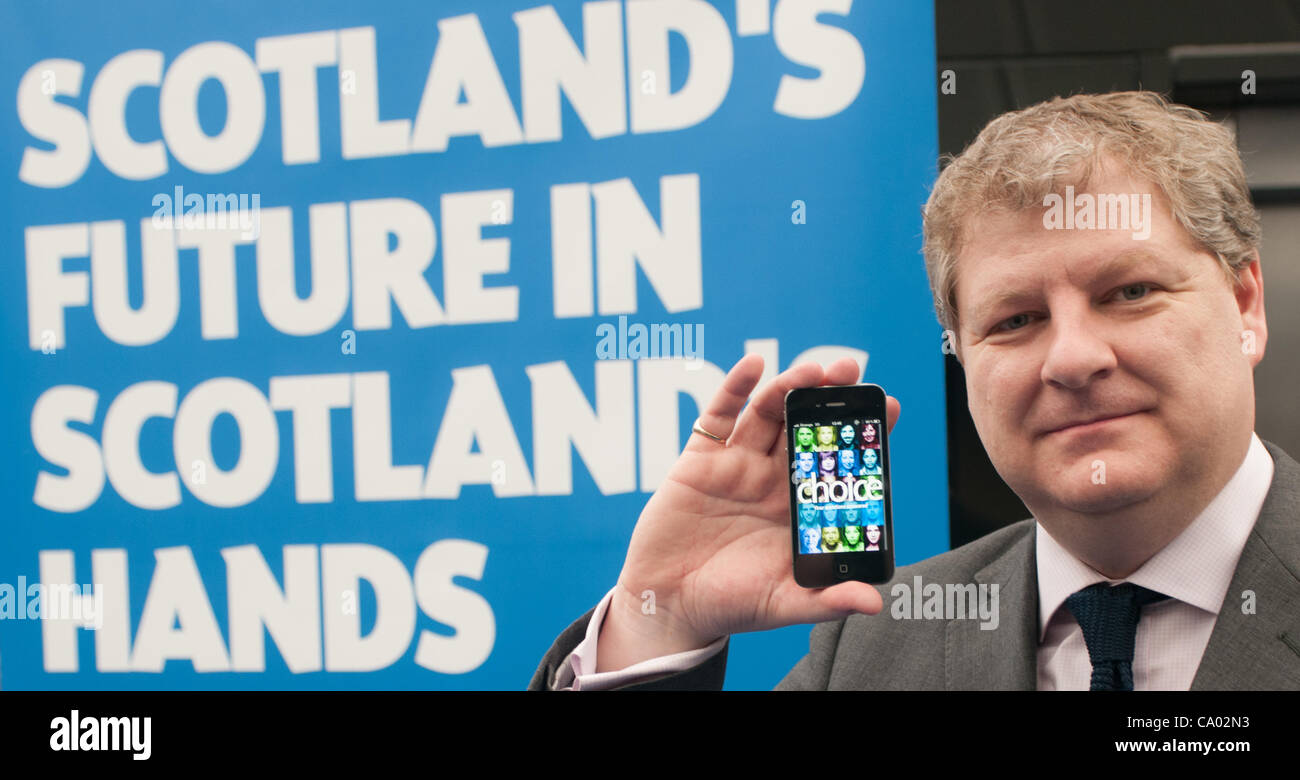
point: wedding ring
(697, 429)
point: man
(805, 466)
(803, 438)
(1108, 361)
(873, 512)
(831, 539)
(808, 515)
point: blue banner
(343, 343)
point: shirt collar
(1196, 567)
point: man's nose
(1078, 351)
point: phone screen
(839, 485)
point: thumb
(846, 598)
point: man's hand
(713, 543)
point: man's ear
(1249, 293)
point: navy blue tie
(1109, 617)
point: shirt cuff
(578, 671)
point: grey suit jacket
(1259, 651)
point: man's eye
(1015, 322)
(1133, 292)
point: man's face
(846, 433)
(806, 462)
(1103, 370)
(803, 436)
(848, 459)
(873, 511)
(807, 513)
(830, 536)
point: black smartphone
(841, 523)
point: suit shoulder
(963, 562)
(871, 652)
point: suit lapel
(1260, 648)
(1004, 658)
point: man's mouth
(1086, 424)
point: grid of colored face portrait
(839, 487)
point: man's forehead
(1012, 254)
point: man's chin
(1099, 486)
(1094, 503)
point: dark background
(1007, 55)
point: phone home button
(842, 570)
